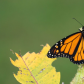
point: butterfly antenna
(78, 21)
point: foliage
(79, 77)
(36, 68)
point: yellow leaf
(35, 68)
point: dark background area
(26, 24)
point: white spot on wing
(49, 52)
(60, 40)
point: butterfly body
(71, 47)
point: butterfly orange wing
(79, 55)
(67, 47)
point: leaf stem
(29, 70)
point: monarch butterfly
(71, 47)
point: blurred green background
(26, 24)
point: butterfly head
(81, 29)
